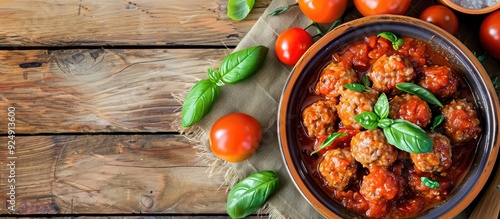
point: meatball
(439, 159)
(439, 193)
(439, 80)
(460, 121)
(320, 118)
(388, 71)
(353, 103)
(333, 78)
(352, 200)
(370, 148)
(379, 186)
(338, 168)
(411, 108)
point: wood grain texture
(98, 90)
(121, 22)
(489, 203)
(105, 174)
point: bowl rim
(465, 10)
(317, 46)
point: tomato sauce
(407, 202)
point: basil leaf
(328, 141)
(408, 137)
(199, 101)
(420, 92)
(429, 182)
(389, 36)
(242, 64)
(385, 123)
(393, 38)
(355, 87)
(369, 120)
(397, 44)
(436, 122)
(213, 75)
(482, 57)
(247, 196)
(239, 9)
(366, 80)
(381, 107)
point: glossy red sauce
(362, 55)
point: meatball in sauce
(334, 77)
(338, 168)
(370, 148)
(388, 71)
(460, 121)
(353, 103)
(439, 80)
(412, 108)
(320, 118)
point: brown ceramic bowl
(465, 10)
(319, 54)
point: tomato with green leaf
(323, 11)
(235, 137)
(292, 44)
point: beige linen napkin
(259, 96)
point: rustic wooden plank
(120, 22)
(108, 174)
(99, 90)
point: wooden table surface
(92, 87)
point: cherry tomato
(375, 7)
(323, 11)
(489, 34)
(292, 44)
(441, 16)
(235, 137)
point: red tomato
(235, 137)
(441, 16)
(292, 44)
(489, 34)
(375, 7)
(323, 11)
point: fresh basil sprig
(355, 87)
(420, 92)
(328, 141)
(242, 64)
(408, 137)
(366, 80)
(234, 68)
(402, 134)
(369, 120)
(247, 196)
(396, 43)
(239, 9)
(429, 182)
(436, 122)
(199, 101)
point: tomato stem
(335, 24)
(282, 9)
(318, 28)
